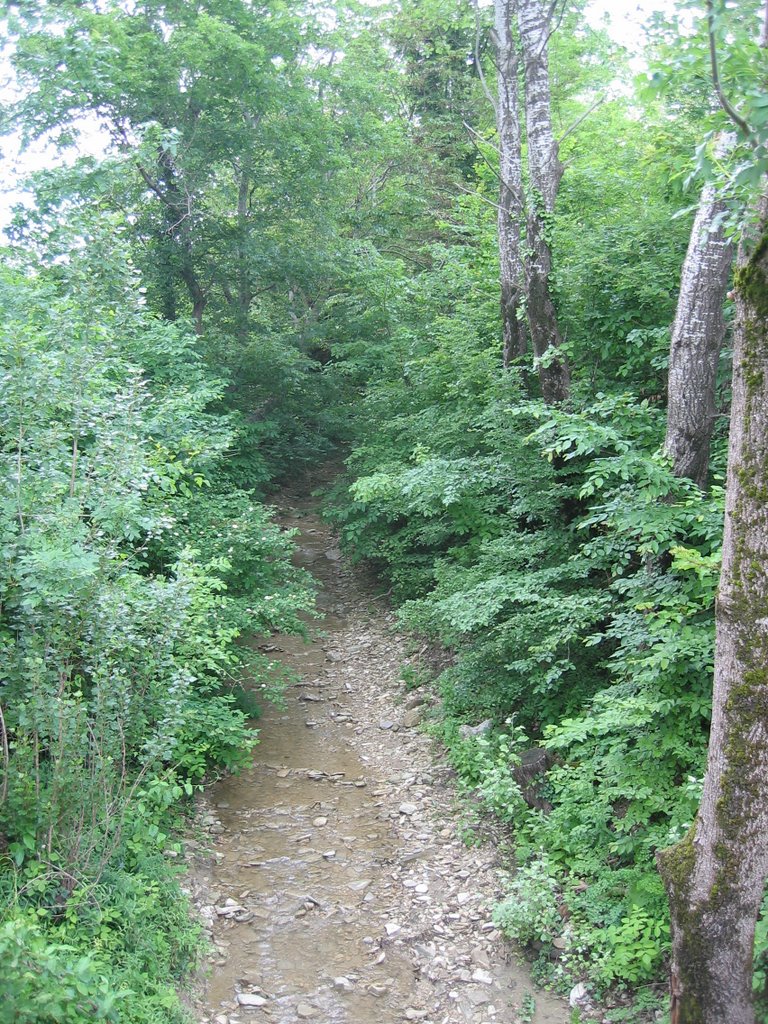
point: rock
(478, 996)
(480, 956)
(343, 984)
(251, 999)
(319, 822)
(534, 764)
(377, 990)
(305, 1011)
(386, 724)
(408, 809)
(560, 942)
(229, 909)
(329, 854)
(391, 928)
(412, 718)
(421, 888)
(579, 995)
(481, 976)
(415, 701)
(413, 1014)
(467, 731)
(428, 851)
(333, 554)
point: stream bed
(336, 886)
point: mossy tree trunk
(697, 335)
(715, 877)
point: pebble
(306, 1010)
(249, 999)
(408, 809)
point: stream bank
(337, 887)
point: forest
(513, 281)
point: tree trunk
(697, 337)
(244, 282)
(511, 196)
(716, 876)
(178, 235)
(545, 171)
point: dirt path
(338, 889)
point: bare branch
(552, 9)
(477, 195)
(478, 62)
(481, 154)
(479, 137)
(152, 184)
(579, 121)
(494, 170)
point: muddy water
(336, 890)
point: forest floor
(333, 876)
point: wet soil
(337, 887)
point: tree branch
(730, 110)
(478, 63)
(479, 137)
(480, 153)
(552, 9)
(598, 103)
(477, 195)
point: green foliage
(572, 577)
(129, 576)
(299, 185)
(44, 981)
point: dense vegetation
(288, 249)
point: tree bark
(545, 172)
(511, 195)
(715, 877)
(697, 337)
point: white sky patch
(624, 19)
